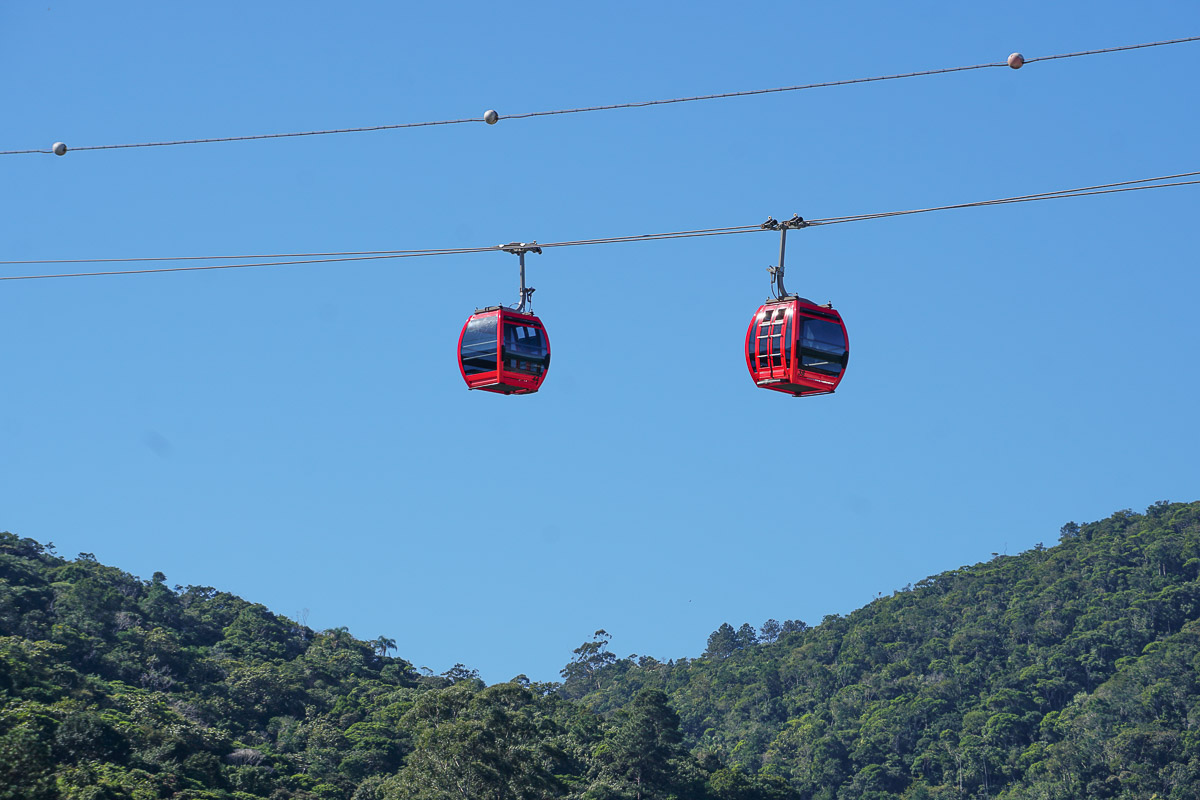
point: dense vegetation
(1064, 672)
(113, 687)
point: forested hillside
(1064, 672)
(113, 687)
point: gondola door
(772, 345)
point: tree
(83, 735)
(642, 754)
(338, 637)
(257, 631)
(590, 658)
(746, 636)
(722, 642)
(383, 644)
(477, 743)
(26, 769)
(459, 672)
(770, 630)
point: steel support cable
(251, 137)
(385, 253)
(415, 254)
(847, 82)
(1064, 193)
(1077, 192)
(615, 106)
(376, 256)
(1115, 49)
(1002, 201)
(653, 237)
(346, 254)
(331, 256)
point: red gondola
(505, 350)
(794, 345)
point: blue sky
(301, 436)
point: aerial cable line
(332, 257)
(453, 251)
(351, 255)
(1015, 61)
(1000, 202)
(327, 258)
(337, 255)
(1103, 188)
(458, 251)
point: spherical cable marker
(491, 117)
(1016, 61)
(59, 149)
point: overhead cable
(1103, 188)
(1014, 61)
(1083, 191)
(338, 255)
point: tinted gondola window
(525, 349)
(479, 346)
(822, 347)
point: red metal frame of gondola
(501, 380)
(773, 348)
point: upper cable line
(1015, 61)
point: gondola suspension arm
(772, 224)
(519, 249)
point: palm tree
(383, 644)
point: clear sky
(301, 436)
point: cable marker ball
(491, 117)
(59, 149)
(1016, 60)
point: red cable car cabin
(520, 341)
(795, 346)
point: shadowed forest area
(1063, 672)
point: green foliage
(643, 755)
(112, 688)
(1064, 672)
(469, 741)
(25, 758)
(1061, 672)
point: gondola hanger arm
(772, 224)
(519, 249)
